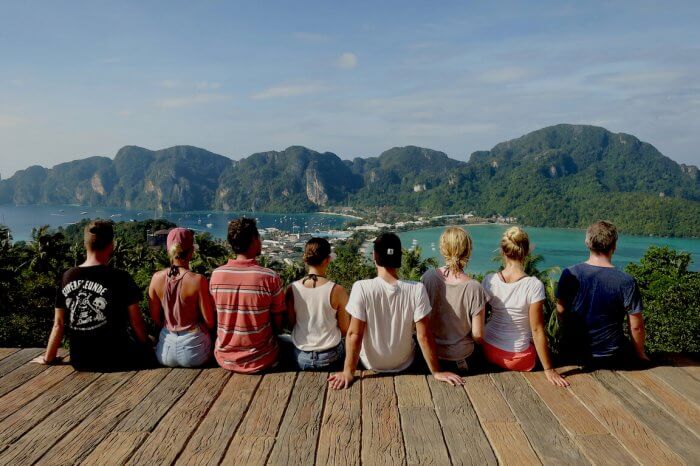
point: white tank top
(316, 328)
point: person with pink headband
(181, 304)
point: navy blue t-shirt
(599, 298)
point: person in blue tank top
(593, 299)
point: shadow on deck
(54, 415)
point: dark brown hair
(98, 235)
(241, 234)
(316, 251)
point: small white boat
(209, 225)
(83, 213)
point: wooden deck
(53, 415)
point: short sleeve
(422, 306)
(567, 287)
(428, 280)
(132, 291)
(633, 298)
(477, 299)
(277, 302)
(537, 292)
(356, 303)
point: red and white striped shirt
(246, 296)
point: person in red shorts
(250, 304)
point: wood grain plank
(639, 440)
(551, 442)
(465, 439)
(32, 389)
(256, 435)
(21, 375)
(84, 438)
(30, 414)
(382, 441)
(5, 352)
(596, 443)
(339, 441)
(17, 359)
(666, 397)
(298, 434)
(681, 440)
(422, 434)
(31, 446)
(506, 436)
(686, 363)
(174, 430)
(679, 380)
(136, 425)
(209, 442)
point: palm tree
(413, 266)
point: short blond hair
(515, 244)
(456, 248)
(601, 237)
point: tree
(413, 266)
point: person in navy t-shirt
(593, 299)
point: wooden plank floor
(53, 415)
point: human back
(457, 300)
(249, 303)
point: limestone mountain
(563, 176)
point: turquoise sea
(560, 247)
(21, 219)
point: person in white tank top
(316, 312)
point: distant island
(559, 176)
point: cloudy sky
(85, 78)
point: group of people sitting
(375, 327)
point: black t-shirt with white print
(96, 300)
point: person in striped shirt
(250, 304)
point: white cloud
(188, 101)
(346, 61)
(10, 121)
(207, 85)
(289, 90)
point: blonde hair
(515, 244)
(456, 248)
(176, 251)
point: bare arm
(427, 346)
(154, 304)
(291, 312)
(339, 299)
(54, 339)
(540, 339)
(353, 343)
(637, 331)
(560, 308)
(206, 304)
(478, 322)
(137, 323)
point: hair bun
(515, 243)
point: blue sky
(355, 78)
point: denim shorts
(191, 348)
(330, 359)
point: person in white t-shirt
(516, 301)
(383, 312)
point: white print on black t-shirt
(87, 305)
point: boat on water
(83, 213)
(115, 215)
(209, 225)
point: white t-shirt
(508, 327)
(389, 312)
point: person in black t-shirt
(95, 305)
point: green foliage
(350, 265)
(413, 266)
(671, 297)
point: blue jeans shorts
(191, 348)
(328, 360)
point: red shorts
(523, 361)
